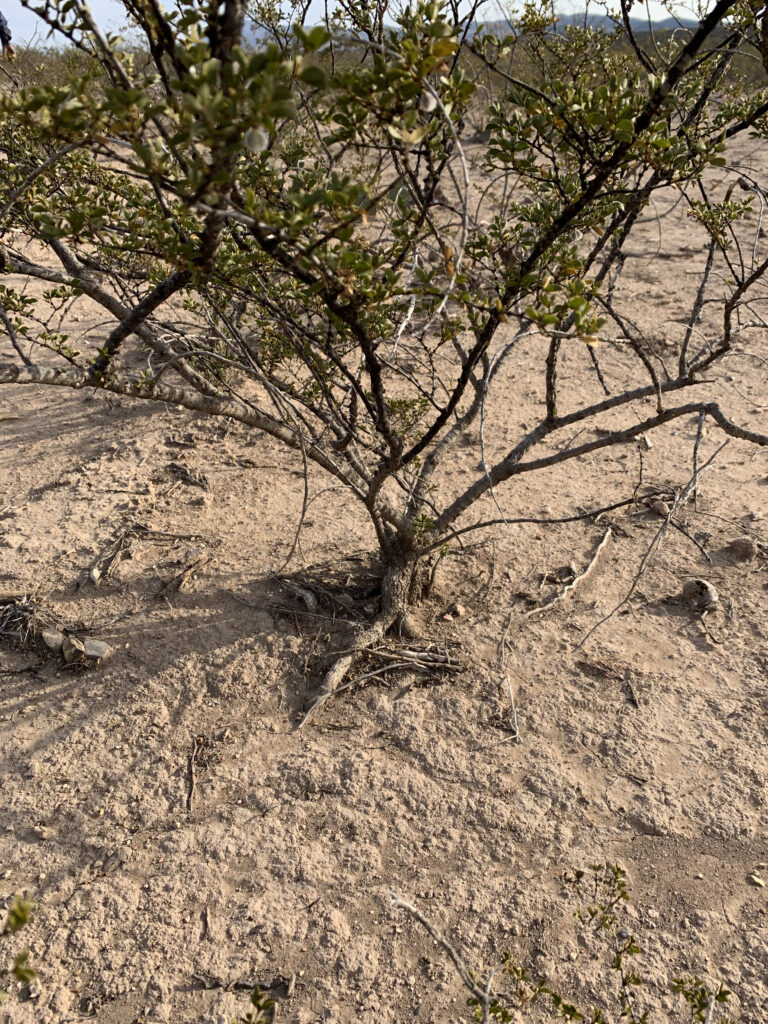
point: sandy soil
(157, 900)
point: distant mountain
(257, 37)
(639, 25)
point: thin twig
(653, 547)
(566, 591)
(191, 780)
(482, 995)
(693, 540)
(707, 630)
(697, 442)
(516, 732)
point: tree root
(334, 678)
(427, 661)
(364, 639)
(397, 592)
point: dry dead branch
(483, 995)
(578, 579)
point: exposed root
(397, 592)
(334, 678)
(427, 661)
(365, 639)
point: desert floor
(157, 899)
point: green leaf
(313, 76)
(18, 915)
(21, 972)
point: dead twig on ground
(515, 727)
(424, 658)
(681, 529)
(653, 547)
(324, 697)
(483, 995)
(579, 578)
(191, 775)
(149, 531)
(102, 565)
(706, 628)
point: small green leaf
(313, 76)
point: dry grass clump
(23, 620)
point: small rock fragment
(743, 548)
(755, 879)
(45, 832)
(660, 507)
(95, 650)
(700, 594)
(52, 640)
(75, 650)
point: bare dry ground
(182, 841)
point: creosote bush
(300, 234)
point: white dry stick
(574, 582)
(710, 1009)
(516, 733)
(483, 996)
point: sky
(109, 14)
